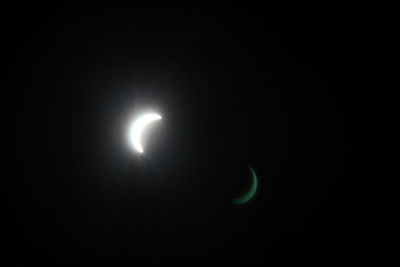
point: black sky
(302, 94)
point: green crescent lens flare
(250, 194)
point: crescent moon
(250, 194)
(137, 128)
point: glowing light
(250, 194)
(135, 131)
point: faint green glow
(250, 194)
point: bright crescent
(250, 194)
(137, 128)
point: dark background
(303, 94)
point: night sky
(302, 94)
